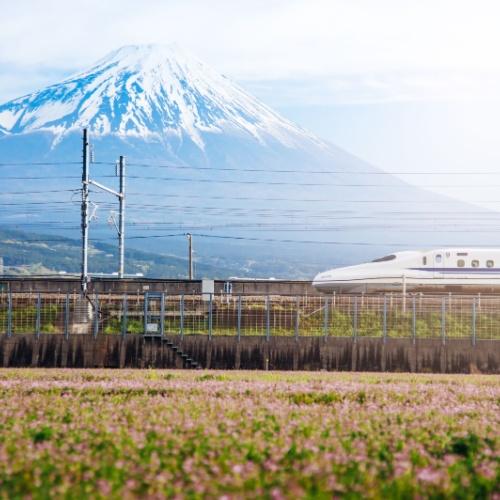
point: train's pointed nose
(320, 279)
(325, 279)
(341, 279)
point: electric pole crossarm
(104, 188)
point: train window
(385, 259)
(439, 258)
(424, 261)
(475, 263)
(490, 263)
(461, 263)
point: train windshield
(385, 259)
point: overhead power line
(38, 163)
(308, 171)
(275, 240)
(45, 203)
(278, 215)
(258, 182)
(319, 171)
(405, 201)
(37, 177)
(167, 195)
(289, 183)
(40, 191)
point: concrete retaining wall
(57, 284)
(253, 353)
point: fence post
(9, 314)
(384, 320)
(162, 314)
(146, 306)
(124, 315)
(66, 317)
(443, 320)
(96, 315)
(325, 319)
(239, 318)
(414, 319)
(182, 316)
(38, 322)
(355, 319)
(473, 321)
(268, 319)
(210, 317)
(297, 317)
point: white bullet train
(447, 269)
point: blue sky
(407, 85)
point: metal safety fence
(155, 314)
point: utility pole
(190, 255)
(85, 212)
(120, 227)
(121, 230)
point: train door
(438, 264)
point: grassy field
(196, 434)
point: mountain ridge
(22, 251)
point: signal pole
(190, 255)
(121, 230)
(85, 212)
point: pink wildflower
(429, 475)
(104, 487)
(237, 469)
(276, 494)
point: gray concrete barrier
(252, 353)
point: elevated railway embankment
(243, 324)
(252, 353)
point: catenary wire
(141, 164)
(248, 182)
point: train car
(448, 269)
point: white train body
(447, 269)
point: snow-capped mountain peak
(150, 92)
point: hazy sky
(406, 84)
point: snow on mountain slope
(149, 92)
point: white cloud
(378, 88)
(374, 48)
(301, 53)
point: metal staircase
(187, 361)
(154, 327)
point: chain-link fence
(387, 316)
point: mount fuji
(160, 95)
(205, 156)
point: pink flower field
(196, 434)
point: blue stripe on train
(456, 270)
